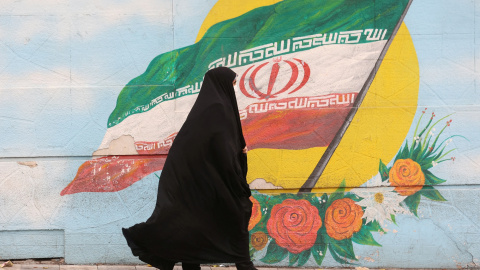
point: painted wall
(379, 170)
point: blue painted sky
(63, 65)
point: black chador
(203, 206)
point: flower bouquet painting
(298, 227)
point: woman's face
(234, 82)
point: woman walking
(203, 206)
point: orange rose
(407, 177)
(258, 240)
(256, 213)
(294, 225)
(343, 218)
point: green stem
(438, 136)
(440, 145)
(447, 153)
(453, 137)
(435, 123)
(426, 144)
(439, 154)
(428, 124)
(418, 124)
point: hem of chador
(156, 260)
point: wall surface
(361, 118)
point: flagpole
(322, 164)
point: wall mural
(300, 87)
(310, 91)
(360, 118)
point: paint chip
(31, 164)
(260, 183)
(6, 264)
(124, 145)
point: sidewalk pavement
(39, 266)
(49, 265)
(145, 267)
(60, 265)
(92, 267)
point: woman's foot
(245, 266)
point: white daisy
(379, 200)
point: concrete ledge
(178, 267)
(59, 264)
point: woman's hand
(245, 150)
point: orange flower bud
(258, 240)
(343, 218)
(407, 177)
(256, 213)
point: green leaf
(432, 194)
(424, 129)
(324, 197)
(431, 179)
(322, 206)
(392, 217)
(414, 144)
(423, 154)
(319, 203)
(404, 153)
(252, 252)
(440, 153)
(313, 199)
(383, 170)
(426, 163)
(343, 248)
(335, 255)
(412, 203)
(304, 256)
(318, 253)
(274, 254)
(400, 154)
(416, 152)
(293, 259)
(374, 226)
(365, 237)
(319, 249)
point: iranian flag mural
(303, 69)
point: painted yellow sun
(376, 132)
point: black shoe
(245, 266)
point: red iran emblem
(273, 89)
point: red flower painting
(294, 225)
